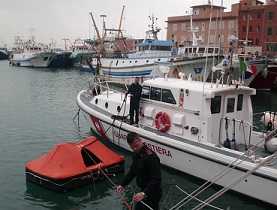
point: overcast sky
(58, 19)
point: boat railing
(99, 85)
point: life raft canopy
(69, 165)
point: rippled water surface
(36, 111)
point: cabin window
(210, 50)
(240, 102)
(145, 92)
(216, 104)
(201, 50)
(167, 96)
(230, 105)
(155, 94)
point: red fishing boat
(70, 165)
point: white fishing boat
(202, 129)
(31, 54)
(32, 57)
(152, 57)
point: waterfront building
(223, 25)
(258, 24)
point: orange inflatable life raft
(70, 165)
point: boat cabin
(153, 48)
(198, 51)
(200, 111)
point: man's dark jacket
(147, 170)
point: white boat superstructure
(152, 59)
(202, 129)
(31, 54)
(33, 57)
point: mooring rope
(109, 179)
(230, 186)
(217, 177)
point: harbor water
(37, 107)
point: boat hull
(202, 161)
(42, 60)
(3, 55)
(193, 163)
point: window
(167, 97)
(184, 26)
(174, 27)
(210, 50)
(269, 31)
(231, 24)
(270, 15)
(230, 105)
(155, 94)
(145, 92)
(244, 28)
(201, 50)
(240, 102)
(216, 104)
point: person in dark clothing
(135, 91)
(147, 170)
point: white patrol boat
(202, 129)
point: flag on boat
(242, 65)
(250, 71)
(247, 70)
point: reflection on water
(36, 111)
(73, 200)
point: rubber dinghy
(70, 165)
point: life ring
(98, 126)
(162, 122)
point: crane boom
(120, 21)
(95, 26)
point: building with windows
(258, 24)
(218, 31)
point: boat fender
(162, 121)
(227, 142)
(271, 145)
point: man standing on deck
(135, 91)
(147, 170)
